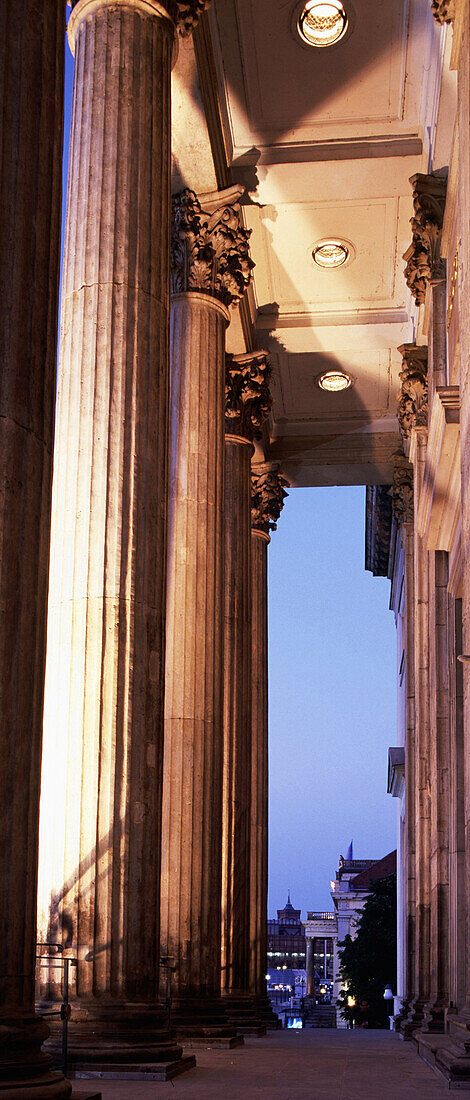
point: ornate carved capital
(402, 490)
(413, 396)
(423, 257)
(267, 496)
(443, 10)
(247, 396)
(209, 249)
(188, 15)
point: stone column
(439, 651)
(247, 403)
(104, 682)
(267, 499)
(310, 963)
(210, 269)
(413, 419)
(402, 502)
(31, 97)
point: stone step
(210, 1042)
(85, 1095)
(127, 1071)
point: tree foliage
(368, 963)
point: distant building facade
(286, 954)
(325, 931)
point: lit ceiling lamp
(330, 253)
(334, 381)
(322, 24)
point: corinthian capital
(423, 257)
(413, 395)
(443, 10)
(209, 247)
(402, 490)
(267, 496)
(247, 395)
(188, 15)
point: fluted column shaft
(259, 765)
(104, 684)
(422, 734)
(310, 966)
(237, 718)
(192, 796)
(439, 649)
(31, 115)
(411, 760)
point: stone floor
(297, 1065)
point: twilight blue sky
(332, 685)
(332, 696)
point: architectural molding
(443, 10)
(209, 247)
(439, 503)
(247, 394)
(188, 14)
(423, 257)
(402, 491)
(267, 496)
(396, 771)
(378, 529)
(413, 395)
(185, 13)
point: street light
(388, 998)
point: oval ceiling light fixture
(333, 381)
(330, 253)
(322, 24)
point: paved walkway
(297, 1065)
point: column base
(434, 1019)
(117, 1034)
(414, 1021)
(402, 1014)
(26, 1071)
(266, 1013)
(203, 1022)
(448, 1053)
(242, 1014)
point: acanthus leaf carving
(413, 395)
(423, 258)
(189, 12)
(209, 250)
(267, 496)
(402, 490)
(247, 394)
(443, 10)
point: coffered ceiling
(324, 141)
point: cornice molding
(209, 247)
(423, 257)
(247, 394)
(413, 396)
(267, 496)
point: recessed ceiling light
(330, 253)
(322, 24)
(334, 381)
